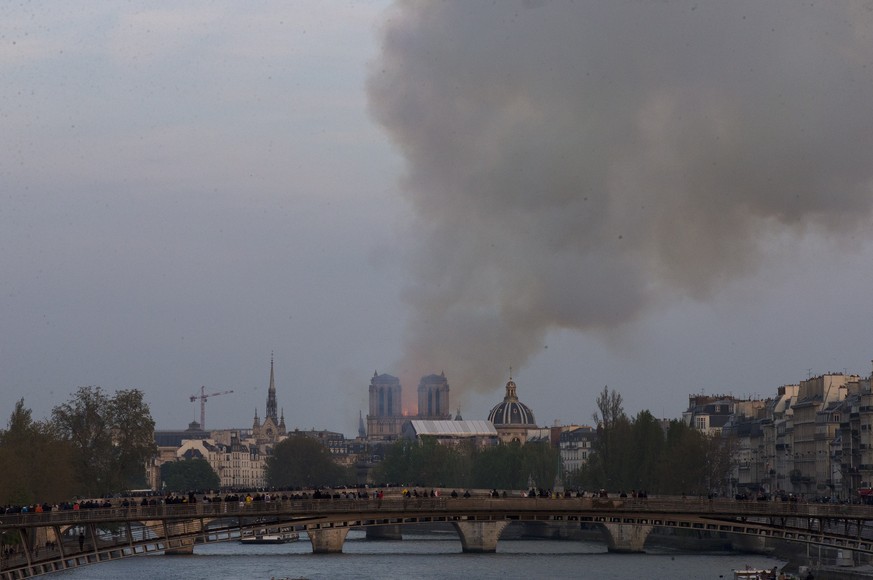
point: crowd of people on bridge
(360, 493)
(62, 506)
(249, 497)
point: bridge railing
(312, 508)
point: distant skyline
(665, 198)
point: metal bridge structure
(51, 541)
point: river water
(423, 556)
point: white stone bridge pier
(625, 537)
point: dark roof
(174, 438)
(718, 420)
(512, 413)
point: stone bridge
(58, 540)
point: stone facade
(709, 413)
(239, 465)
(575, 444)
(433, 398)
(813, 440)
(385, 419)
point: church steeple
(271, 396)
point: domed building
(512, 418)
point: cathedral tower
(433, 397)
(386, 408)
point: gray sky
(662, 197)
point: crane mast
(203, 396)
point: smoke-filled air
(575, 164)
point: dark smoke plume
(572, 164)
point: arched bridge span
(58, 540)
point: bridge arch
(479, 522)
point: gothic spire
(271, 396)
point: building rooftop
(454, 428)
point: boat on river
(264, 538)
(760, 574)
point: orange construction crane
(203, 396)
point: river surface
(421, 557)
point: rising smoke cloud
(572, 164)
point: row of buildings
(813, 439)
(239, 456)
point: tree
(396, 466)
(616, 446)
(683, 468)
(542, 463)
(611, 463)
(34, 460)
(300, 461)
(189, 475)
(638, 454)
(84, 424)
(611, 408)
(719, 456)
(506, 466)
(425, 463)
(133, 436)
(647, 446)
(111, 438)
(440, 465)
(501, 467)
